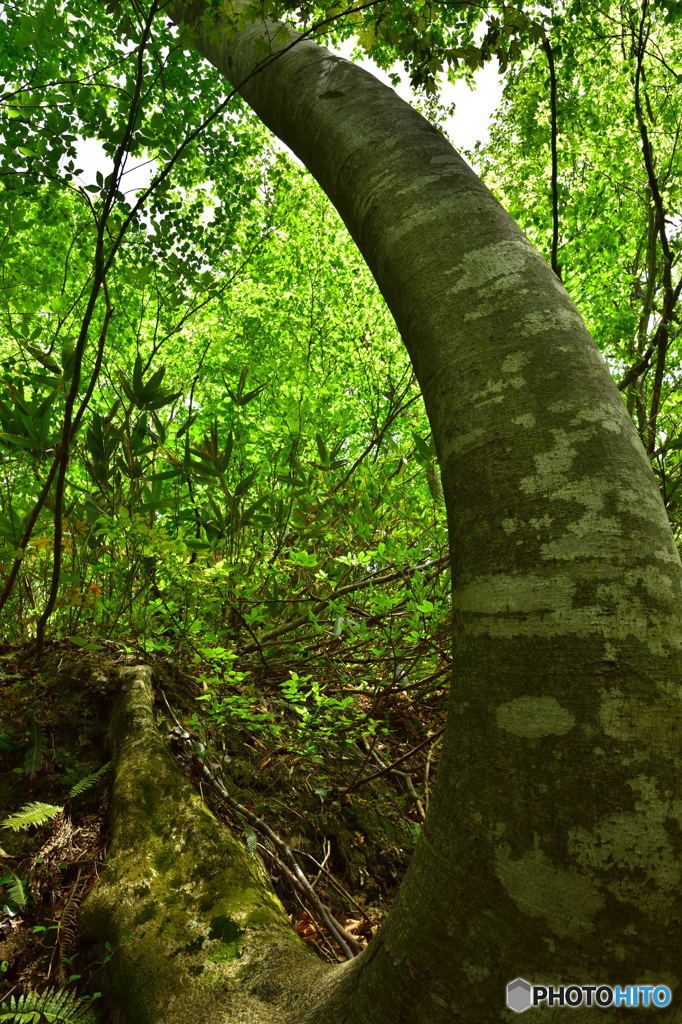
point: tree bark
(552, 845)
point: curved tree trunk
(552, 845)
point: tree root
(197, 933)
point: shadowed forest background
(214, 456)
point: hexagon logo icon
(519, 994)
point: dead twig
(392, 767)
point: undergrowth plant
(52, 1006)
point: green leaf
(303, 558)
(138, 386)
(161, 399)
(68, 355)
(34, 753)
(244, 484)
(45, 359)
(322, 449)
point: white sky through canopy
(468, 124)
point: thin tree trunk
(551, 848)
(554, 251)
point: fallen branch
(391, 767)
(406, 779)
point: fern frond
(34, 754)
(89, 781)
(53, 1006)
(31, 814)
(16, 891)
(21, 1018)
(251, 841)
(68, 925)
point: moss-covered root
(198, 934)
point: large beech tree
(552, 844)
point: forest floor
(349, 818)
